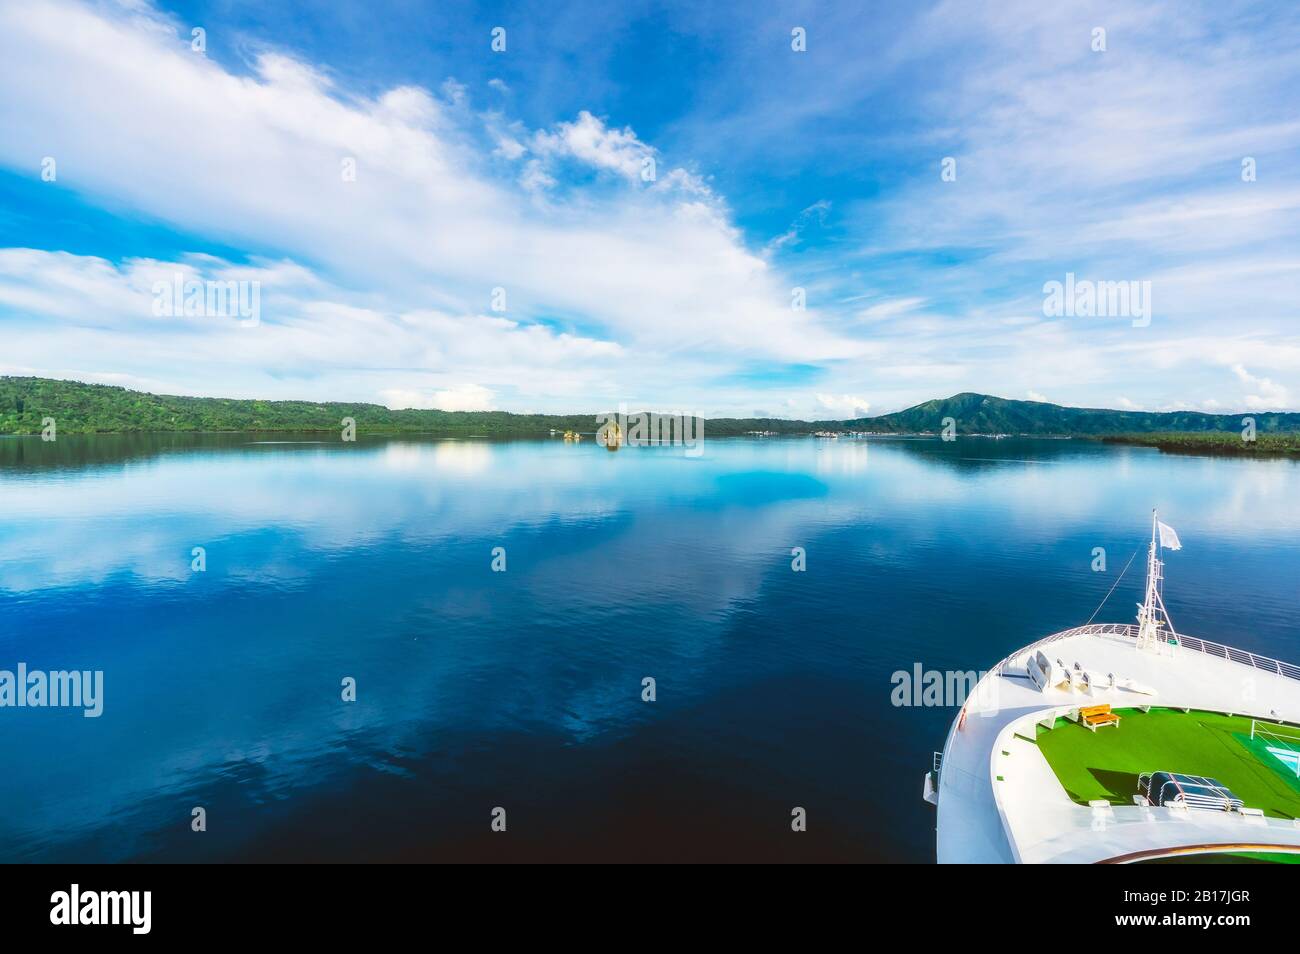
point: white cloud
(589, 140)
(466, 397)
(136, 119)
(1117, 166)
(626, 290)
(844, 405)
(511, 149)
(890, 309)
(816, 212)
(1269, 395)
(315, 340)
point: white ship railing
(1287, 669)
(1021, 656)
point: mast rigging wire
(1113, 585)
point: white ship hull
(999, 800)
(1000, 785)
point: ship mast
(1153, 618)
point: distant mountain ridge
(100, 408)
(986, 414)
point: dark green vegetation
(96, 408)
(1264, 445)
(984, 414)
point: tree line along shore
(80, 408)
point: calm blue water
(522, 689)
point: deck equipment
(1193, 791)
(1283, 745)
(1094, 716)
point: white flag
(1168, 538)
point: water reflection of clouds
(143, 519)
(657, 549)
(848, 457)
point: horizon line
(792, 420)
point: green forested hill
(985, 414)
(96, 408)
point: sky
(798, 210)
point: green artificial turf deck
(1106, 763)
(1229, 858)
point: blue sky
(774, 170)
